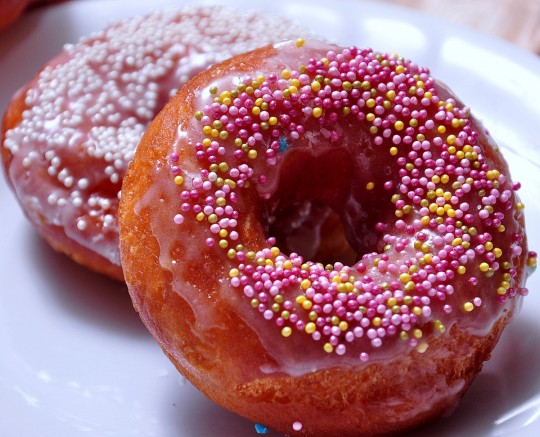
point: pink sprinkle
(179, 219)
(297, 426)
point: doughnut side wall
(195, 296)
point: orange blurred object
(10, 10)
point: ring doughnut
(69, 134)
(323, 240)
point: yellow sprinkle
(317, 112)
(441, 129)
(343, 326)
(223, 244)
(417, 333)
(370, 186)
(328, 348)
(461, 270)
(439, 326)
(213, 89)
(315, 86)
(307, 305)
(200, 217)
(451, 139)
(286, 332)
(300, 42)
(370, 103)
(233, 273)
(399, 125)
(422, 347)
(393, 151)
(252, 154)
(409, 286)
(286, 74)
(468, 306)
(404, 278)
(178, 180)
(287, 265)
(484, 267)
(300, 299)
(310, 328)
(492, 174)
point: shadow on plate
(193, 415)
(494, 401)
(497, 400)
(89, 296)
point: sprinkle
(261, 429)
(468, 306)
(297, 426)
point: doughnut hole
(328, 201)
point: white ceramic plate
(74, 357)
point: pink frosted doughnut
(324, 240)
(69, 135)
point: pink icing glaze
(420, 270)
